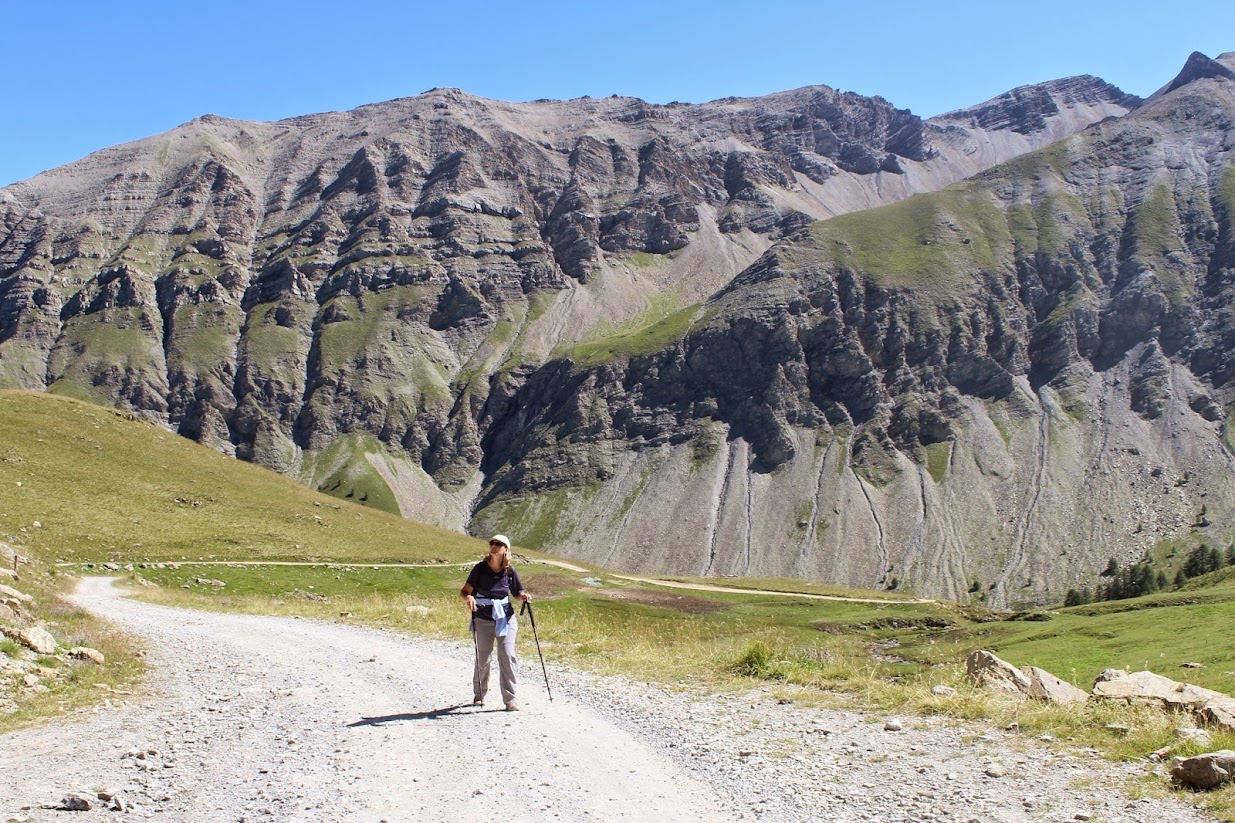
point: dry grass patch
(547, 585)
(684, 603)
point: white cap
(501, 538)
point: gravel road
(279, 719)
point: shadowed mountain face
(616, 330)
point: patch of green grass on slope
(1226, 194)
(102, 486)
(1229, 429)
(205, 336)
(1158, 239)
(343, 469)
(638, 341)
(933, 241)
(94, 344)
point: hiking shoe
(478, 701)
(512, 707)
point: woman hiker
(487, 592)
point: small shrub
(756, 661)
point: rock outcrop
(1206, 705)
(1047, 687)
(987, 670)
(990, 671)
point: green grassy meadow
(103, 487)
(82, 485)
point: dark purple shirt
(494, 585)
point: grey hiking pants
(486, 637)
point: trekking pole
(527, 607)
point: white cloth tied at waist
(499, 612)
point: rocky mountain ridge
(989, 390)
(527, 314)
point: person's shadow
(431, 714)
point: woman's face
(496, 550)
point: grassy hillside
(102, 487)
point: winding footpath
(279, 719)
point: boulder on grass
(1147, 687)
(1045, 686)
(38, 639)
(87, 653)
(985, 669)
(1206, 705)
(1205, 771)
(10, 592)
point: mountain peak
(1200, 67)
(1028, 109)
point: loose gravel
(281, 719)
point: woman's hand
(525, 597)
(470, 602)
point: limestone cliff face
(999, 385)
(461, 307)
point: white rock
(20, 597)
(1198, 736)
(87, 653)
(1045, 686)
(38, 639)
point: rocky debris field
(32, 656)
(261, 718)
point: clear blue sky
(82, 75)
